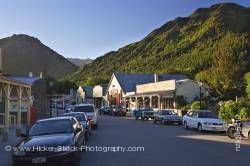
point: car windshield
(51, 127)
(79, 117)
(84, 109)
(207, 115)
(168, 112)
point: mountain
(23, 54)
(184, 45)
(80, 62)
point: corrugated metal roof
(128, 81)
(26, 80)
(7, 78)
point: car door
(194, 121)
(188, 118)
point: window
(190, 113)
(195, 114)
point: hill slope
(23, 54)
(183, 45)
(80, 62)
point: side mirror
(78, 130)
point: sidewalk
(5, 156)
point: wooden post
(159, 102)
(19, 106)
(7, 90)
(150, 102)
(136, 103)
(28, 106)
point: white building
(151, 90)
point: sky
(91, 28)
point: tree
(229, 62)
(196, 105)
(247, 81)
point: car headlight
(19, 153)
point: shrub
(230, 109)
(244, 113)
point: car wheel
(199, 128)
(249, 137)
(155, 121)
(185, 125)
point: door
(194, 119)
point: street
(164, 145)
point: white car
(204, 120)
(90, 111)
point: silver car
(167, 116)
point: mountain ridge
(183, 45)
(23, 54)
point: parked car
(167, 116)
(240, 129)
(144, 113)
(90, 111)
(51, 133)
(82, 118)
(204, 120)
(118, 111)
(105, 110)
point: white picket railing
(12, 120)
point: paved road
(163, 146)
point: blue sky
(90, 28)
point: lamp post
(200, 85)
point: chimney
(1, 61)
(30, 74)
(156, 77)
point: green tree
(196, 105)
(247, 80)
(229, 63)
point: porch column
(150, 102)
(143, 101)
(7, 90)
(19, 106)
(129, 102)
(28, 106)
(136, 103)
(159, 102)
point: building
(13, 90)
(92, 94)
(38, 95)
(150, 90)
(99, 95)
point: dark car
(118, 111)
(42, 143)
(105, 110)
(82, 118)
